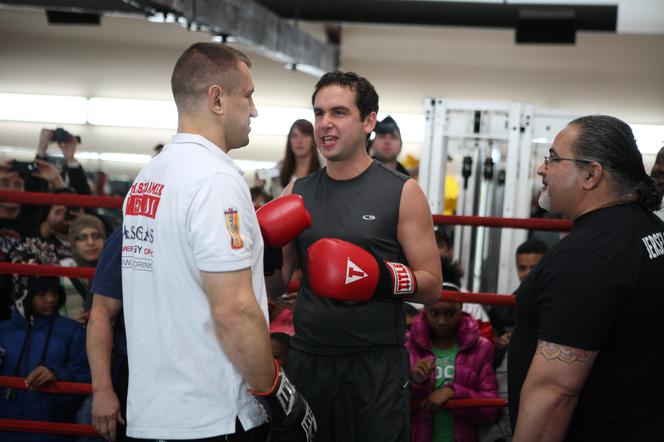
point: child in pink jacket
(449, 360)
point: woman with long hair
(300, 159)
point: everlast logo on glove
(403, 279)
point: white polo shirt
(189, 210)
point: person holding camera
(44, 176)
(72, 174)
(18, 222)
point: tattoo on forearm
(568, 355)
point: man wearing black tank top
(348, 357)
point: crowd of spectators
(42, 319)
(456, 350)
(80, 245)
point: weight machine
(493, 150)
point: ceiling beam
(245, 21)
(587, 17)
(253, 25)
(83, 6)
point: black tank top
(364, 211)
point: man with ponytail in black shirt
(587, 350)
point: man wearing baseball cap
(387, 145)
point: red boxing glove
(345, 272)
(282, 220)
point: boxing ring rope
(445, 295)
(560, 225)
(110, 202)
(24, 426)
(21, 426)
(88, 273)
(46, 270)
(58, 387)
(65, 199)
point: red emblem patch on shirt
(143, 199)
(233, 226)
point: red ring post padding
(22, 426)
(57, 387)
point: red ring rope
(81, 272)
(116, 202)
(22, 426)
(88, 273)
(466, 403)
(53, 387)
(478, 298)
(446, 295)
(46, 270)
(495, 221)
(65, 199)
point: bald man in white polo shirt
(194, 296)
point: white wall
(622, 75)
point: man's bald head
(201, 66)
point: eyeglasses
(95, 236)
(552, 159)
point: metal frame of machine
(498, 145)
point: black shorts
(361, 397)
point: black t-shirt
(601, 289)
(363, 211)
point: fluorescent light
(83, 155)
(254, 165)
(162, 17)
(43, 108)
(223, 39)
(155, 114)
(125, 157)
(278, 120)
(649, 137)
